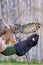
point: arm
(5, 50)
(9, 51)
(21, 47)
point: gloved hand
(3, 46)
(26, 45)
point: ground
(14, 62)
(18, 64)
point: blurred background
(23, 12)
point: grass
(14, 62)
(17, 64)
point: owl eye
(16, 28)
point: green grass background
(17, 64)
(14, 62)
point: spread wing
(30, 28)
(26, 29)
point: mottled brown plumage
(30, 28)
(7, 34)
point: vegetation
(14, 62)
